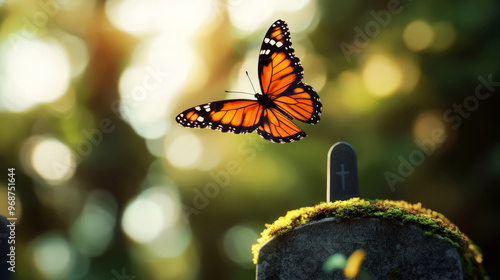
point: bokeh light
(150, 85)
(51, 159)
(148, 215)
(429, 126)
(55, 257)
(143, 219)
(250, 15)
(418, 35)
(185, 151)
(144, 18)
(445, 35)
(93, 230)
(133, 16)
(33, 72)
(382, 75)
(237, 241)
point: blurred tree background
(108, 185)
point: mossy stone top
(430, 222)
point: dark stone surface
(342, 173)
(391, 247)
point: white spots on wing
(200, 119)
(267, 52)
(266, 40)
(197, 108)
(207, 107)
(279, 44)
(272, 42)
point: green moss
(432, 222)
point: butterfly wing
(278, 128)
(280, 74)
(236, 116)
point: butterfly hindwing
(237, 116)
(278, 128)
(301, 102)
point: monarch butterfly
(284, 97)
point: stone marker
(393, 251)
(342, 173)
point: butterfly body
(284, 97)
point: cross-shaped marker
(342, 173)
(345, 186)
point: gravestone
(342, 181)
(393, 250)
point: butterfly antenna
(251, 82)
(232, 91)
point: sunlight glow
(52, 160)
(418, 35)
(154, 16)
(185, 151)
(149, 86)
(291, 6)
(32, 73)
(143, 219)
(53, 256)
(250, 15)
(382, 75)
(429, 125)
(153, 215)
(133, 16)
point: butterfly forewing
(236, 116)
(279, 68)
